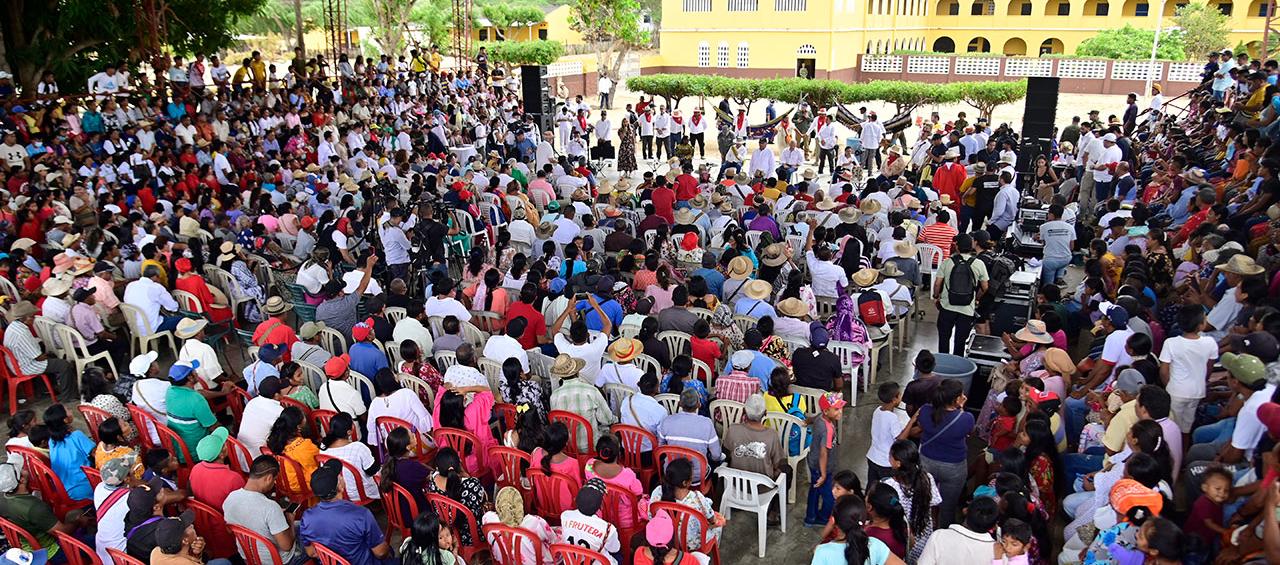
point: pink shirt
(569, 467)
(541, 185)
(626, 480)
(104, 292)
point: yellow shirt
(436, 59)
(259, 70)
(418, 65)
(164, 273)
(1118, 429)
(241, 74)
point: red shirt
(664, 202)
(537, 323)
(280, 334)
(939, 234)
(686, 187)
(212, 482)
(705, 350)
(947, 180)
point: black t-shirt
(142, 539)
(919, 392)
(816, 368)
(434, 233)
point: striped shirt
(694, 431)
(26, 347)
(584, 399)
(939, 234)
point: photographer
(395, 244)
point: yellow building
(554, 26)
(823, 38)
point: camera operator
(395, 244)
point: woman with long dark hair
(338, 443)
(551, 457)
(429, 543)
(677, 486)
(852, 545)
(945, 425)
(886, 518)
(285, 438)
(68, 451)
(653, 346)
(401, 467)
(451, 480)
(1043, 463)
(917, 491)
(607, 466)
(520, 388)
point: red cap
(183, 265)
(307, 222)
(457, 185)
(336, 366)
(830, 401)
(1044, 396)
(361, 330)
(1269, 415)
(343, 224)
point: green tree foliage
(508, 15)
(612, 27)
(515, 53)
(984, 96)
(1130, 42)
(74, 37)
(1204, 29)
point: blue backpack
(793, 438)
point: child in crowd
(824, 452)
(846, 483)
(1015, 536)
(886, 423)
(1206, 518)
(1184, 367)
(1004, 427)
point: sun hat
(23, 243)
(757, 289)
(62, 263)
(625, 349)
(869, 206)
(337, 366)
(1034, 332)
(1243, 265)
(904, 249)
(210, 446)
(865, 277)
(773, 255)
(952, 153)
(891, 270)
(22, 310)
(276, 306)
(793, 307)
(849, 215)
(55, 286)
(189, 327)
(740, 268)
(567, 366)
(1057, 360)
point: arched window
(1015, 47)
(1051, 46)
(704, 55)
(979, 45)
(744, 55)
(944, 44)
(722, 55)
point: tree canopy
(515, 53)
(612, 27)
(1130, 42)
(1204, 29)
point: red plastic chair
(236, 401)
(322, 417)
(612, 512)
(171, 441)
(552, 494)
(93, 417)
(633, 440)
(450, 512)
(508, 413)
(306, 410)
(666, 453)
(211, 525)
(574, 555)
(239, 456)
(400, 503)
(360, 497)
(328, 556)
(77, 552)
(464, 443)
(121, 558)
(15, 377)
(143, 421)
(512, 463)
(17, 536)
(577, 427)
(301, 495)
(94, 476)
(681, 517)
(28, 453)
(248, 541)
(509, 540)
(46, 482)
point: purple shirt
(86, 321)
(1173, 437)
(767, 224)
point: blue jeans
(821, 501)
(1052, 269)
(1075, 411)
(1217, 433)
(168, 323)
(1077, 464)
(1104, 190)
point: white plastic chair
(725, 413)
(753, 238)
(784, 423)
(928, 255)
(436, 325)
(445, 359)
(313, 374)
(753, 492)
(745, 322)
(392, 348)
(701, 312)
(47, 331)
(629, 330)
(474, 335)
(362, 383)
(846, 350)
(333, 341)
(678, 343)
(493, 373)
(616, 394)
(669, 401)
(77, 351)
(141, 332)
(646, 362)
(395, 314)
(418, 386)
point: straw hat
(685, 216)
(1058, 361)
(850, 215)
(566, 366)
(544, 230)
(740, 268)
(869, 207)
(891, 270)
(62, 263)
(809, 174)
(81, 266)
(1242, 264)
(904, 249)
(1195, 176)
(55, 286)
(774, 255)
(1034, 332)
(189, 327)
(865, 277)
(23, 243)
(622, 185)
(827, 203)
(625, 349)
(952, 153)
(229, 250)
(757, 289)
(698, 202)
(945, 200)
(793, 307)
(276, 306)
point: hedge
(515, 53)
(985, 95)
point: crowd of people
(283, 299)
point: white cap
(142, 363)
(1109, 137)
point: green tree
(504, 16)
(613, 28)
(389, 21)
(1130, 42)
(74, 38)
(985, 96)
(511, 54)
(1204, 29)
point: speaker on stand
(1037, 126)
(535, 94)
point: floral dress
(722, 326)
(1117, 545)
(248, 282)
(697, 501)
(1042, 478)
(627, 147)
(776, 349)
(472, 497)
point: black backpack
(962, 286)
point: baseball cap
(324, 480)
(1262, 345)
(271, 352)
(1268, 414)
(1130, 381)
(604, 285)
(117, 469)
(170, 531)
(1245, 368)
(831, 401)
(142, 363)
(360, 331)
(142, 499)
(310, 329)
(180, 371)
(1117, 314)
(591, 496)
(741, 359)
(336, 366)
(818, 336)
(17, 556)
(210, 446)
(660, 529)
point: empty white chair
(789, 426)
(333, 341)
(647, 363)
(753, 492)
(141, 333)
(677, 342)
(76, 351)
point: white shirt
(447, 307)
(592, 532)
(958, 545)
(110, 523)
(396, 245)
(603, 127)
(403, 404)
(411, 328)
(1188, 361)
(1224, 313)
(103, 83)
(827, 136)
(351, 279)
(312, 277)
(1106, 156)
(255, 424)
(662, 126)
(604, 84)
(196, 350)
(792, 157)
(885, 427)
(645, 412)
(626, 374)
(1113, 351)
(502, 347)
(340, 396)
(359, 456)
(872, 134)
(1248, 428)
(763, 161)
(566, 230)
(149, 296)
(825, 276)
(521, 230)
(149, 394)
(592, 352)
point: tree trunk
(615, 70)
(297, 27)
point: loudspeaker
(1041, 108)
(534, 91)
(1031, 148)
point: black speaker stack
(1037, 124)
(536, 95)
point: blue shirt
(944, 441)
(754, 307)
(255, 372)
(347, 529)
(832, 553)
(367, 359)
(715, 280)
(1179, 210)
(762, 367)
(611, 309)
(66, 457)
